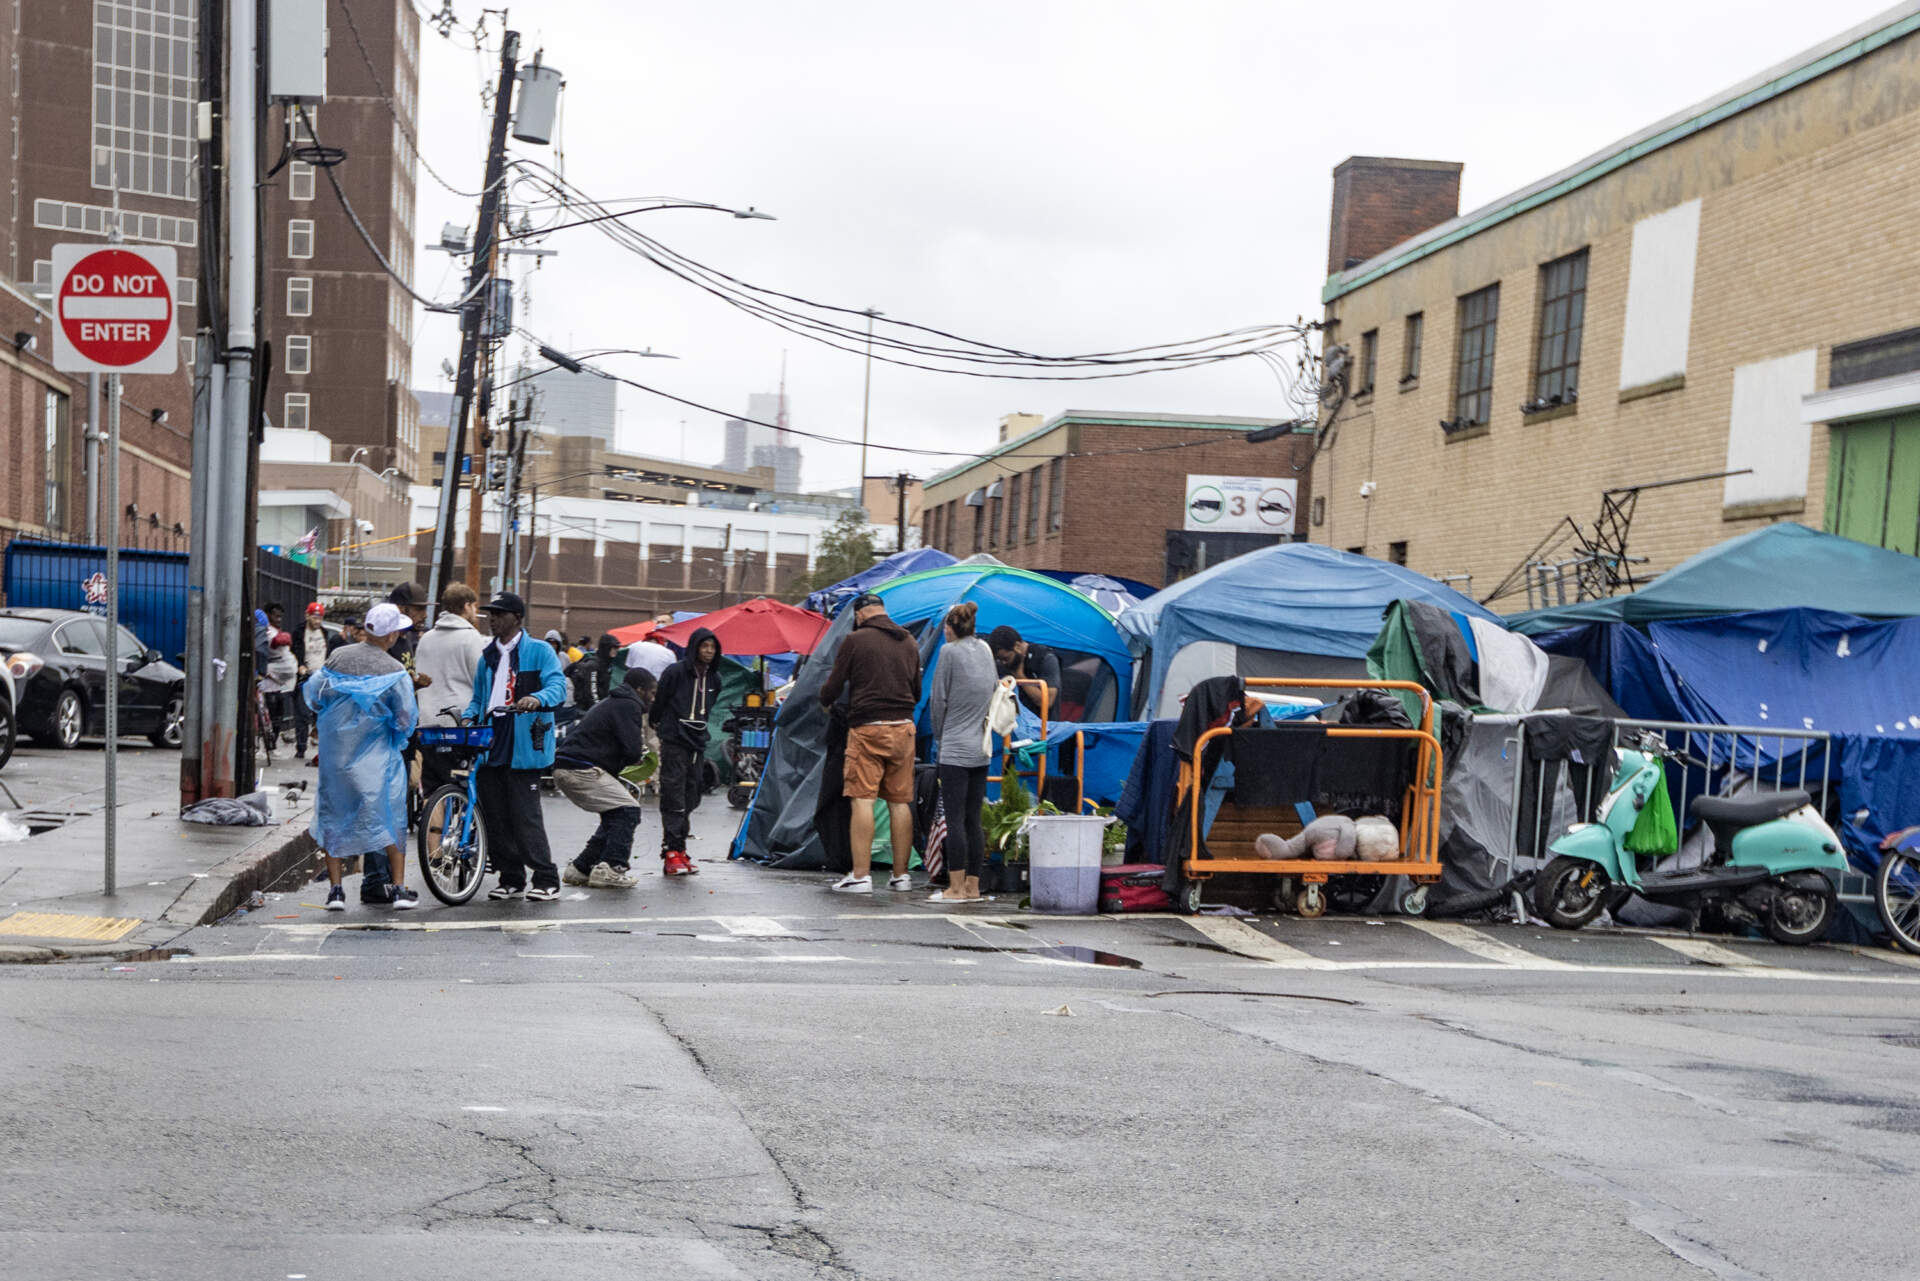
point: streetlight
(346, 544)
(748, 213)
(866, 403)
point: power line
(387, 100)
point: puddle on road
(1080, 955)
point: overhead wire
(386, 99)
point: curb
(230, 883)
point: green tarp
(1782, 566)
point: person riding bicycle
(610, 738)
(517, 674)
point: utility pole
(866, 404)
(900, 518)
(483, 437)
(473, 312)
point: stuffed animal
(1376, 838)
(1331, 836)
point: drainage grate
(45, 820)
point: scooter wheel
(1802, 911)
(1571, 893)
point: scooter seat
(1746, 811)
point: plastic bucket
(1063, 855)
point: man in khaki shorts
(879, 668)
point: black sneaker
(378, 896)
(336, 899)
(405, 900)
(505, 891)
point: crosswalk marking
(1485, 946)
(1710, 953)
(753, 926)
(1243, 939)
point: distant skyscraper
(763, 442)
(573, 404)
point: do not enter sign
(114, 309)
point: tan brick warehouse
(1808, 183)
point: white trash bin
(1063, 855)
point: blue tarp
(914, 560)
(1112, 593)
(1795, 669)
(1779, 565)
(1298, 598)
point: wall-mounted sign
(1241, 504)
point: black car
(58, 660)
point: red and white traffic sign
(114, 309)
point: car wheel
(9, 731)
(68, 722)
(173, 722)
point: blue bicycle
(452, 836)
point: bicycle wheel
(453, 847)
(1896, 892)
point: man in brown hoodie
(879, 666)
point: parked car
(9, 723)
(57, 662)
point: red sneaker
(676, 864)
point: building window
(144, 91)
(97, 220)
(299, 181)
(187, 352)
(1473, 369)
(186, 291)
(55, 410)
(1320, 509)
(979, 514)
(1369, 361)
(300, 238)
(1033, 505)
(1013, 511)
(299, 131)
(1397, 552)
(299, 295)
(295, 417)
(299, 354)
(1410, 353)
(995, 505)
(1056, 494)
(1563, 312)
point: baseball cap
(386, 618)
(507, 603)
(864, 599)
(316, 610)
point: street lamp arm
(748, 212)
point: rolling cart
(749, 738)
(1306, 879)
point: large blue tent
(914, 560)
(1096, 684)
(1295, 609)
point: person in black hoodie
(686, 696)
(610, 738)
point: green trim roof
(1091, 418)
(1875, 33)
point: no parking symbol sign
(114, 309)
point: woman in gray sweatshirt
(964, 679)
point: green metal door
(1873, 482)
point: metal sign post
(114, 314)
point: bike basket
(456, 736)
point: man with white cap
(364, 704)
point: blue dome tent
(914, 560)
(1295, 609)
(1096, 685)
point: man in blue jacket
(517, 676)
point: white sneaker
(900, 883)
(607, 877)
(851, 884)
(571, 875)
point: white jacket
(449, 654)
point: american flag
(934, 856)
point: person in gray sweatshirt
(964, 679)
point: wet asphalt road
(740, 1075)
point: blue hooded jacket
(538, 675)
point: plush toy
(1329, 837)
(1376, 838)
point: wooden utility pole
(901, 482)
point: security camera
(1366, 489)
(364, 526)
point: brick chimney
(1379, 202)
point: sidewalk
(171, 876)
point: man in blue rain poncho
(363, 700)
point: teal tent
(1779, 567)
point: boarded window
(1659, 296)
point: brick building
(341, 327)
(1109, 493)
(1729, 290)
(101, 100)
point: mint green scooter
(1775, 862)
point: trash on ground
(1065, 1012)
(12, 829)
(255, 809)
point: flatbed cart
(1419, 859)
(749, 739)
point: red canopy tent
(749, 628)
(634, 632)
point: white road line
(1487, 947)
(1243, 940)
(255, 956)
(1888, 955)
(1711, 954)
(753, 926)
(553, 956)
(775, 960)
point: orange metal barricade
(1039, 774)
(1419, 822)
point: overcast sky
(1042, 174)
